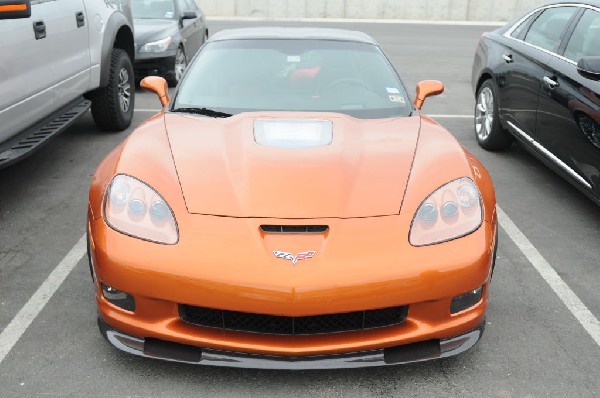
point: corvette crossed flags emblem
(296, 258)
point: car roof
(595, 3)
(293, 33)
(511, 23)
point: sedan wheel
(179, 69)
(484, 113)
(489, 132)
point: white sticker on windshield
(398, 99)
(169, 14)
(392, 90)
(294, 59)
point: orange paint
(222, 186)
(13, 7)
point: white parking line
(450, 116)
(19, 324)
(15, 329)
(563, 291)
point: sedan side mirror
(589, 67)
(157, 85)
(15, 9)
(189, 15)
(427, 88)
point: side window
(183, 6)
(547, 30)
(192, 5)
(518, 32)
(585, 41)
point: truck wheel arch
(118, 34)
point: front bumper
(151, 64)
(402, 354)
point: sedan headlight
(133, 208)
(451, 212)
(159, 46)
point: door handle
(508, 58)
(550, 81)
(80, 18)
(39, 28)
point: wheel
(112, 106)
(589, 128)
(179, 68)
(489, 132)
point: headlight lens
(133, 208)
(159, 46)
(450, 212)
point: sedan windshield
(152, 9)
(236, 76)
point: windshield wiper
(203, 111)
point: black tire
(495, 255)
(173, 77)
(488, 130)
(107, 109)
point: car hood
(223, 171)
(149, 30)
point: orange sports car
(291, 208)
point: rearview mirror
(427, 88)
(189, 15)
(15, 9)
(157, 85)
(589, 67)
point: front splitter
(402, 354)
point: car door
(68, 41)
(569, 110)
(192, 30)
(525, 64)
(25, 78)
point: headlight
(133, 208)
(157, 46)
(451, 212)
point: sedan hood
(149, 30)
(362, 172)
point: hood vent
(293, 134)
(294, 229)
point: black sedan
(537, 79)
(168, 33)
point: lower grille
(284, 325)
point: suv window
(546, 32)
(585, 41)
(184, 6)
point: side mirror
(157, 85)
(427, 88)
(589, 67)
(189, 15)
(15, 9)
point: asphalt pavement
(534, 344)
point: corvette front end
(292, 239)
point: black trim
(113, 25)
(35, 137)
(401, 354)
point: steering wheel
(345, 80)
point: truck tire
(112, 106)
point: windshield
(293, 75)
(153, 9)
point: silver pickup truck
(58, 59)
